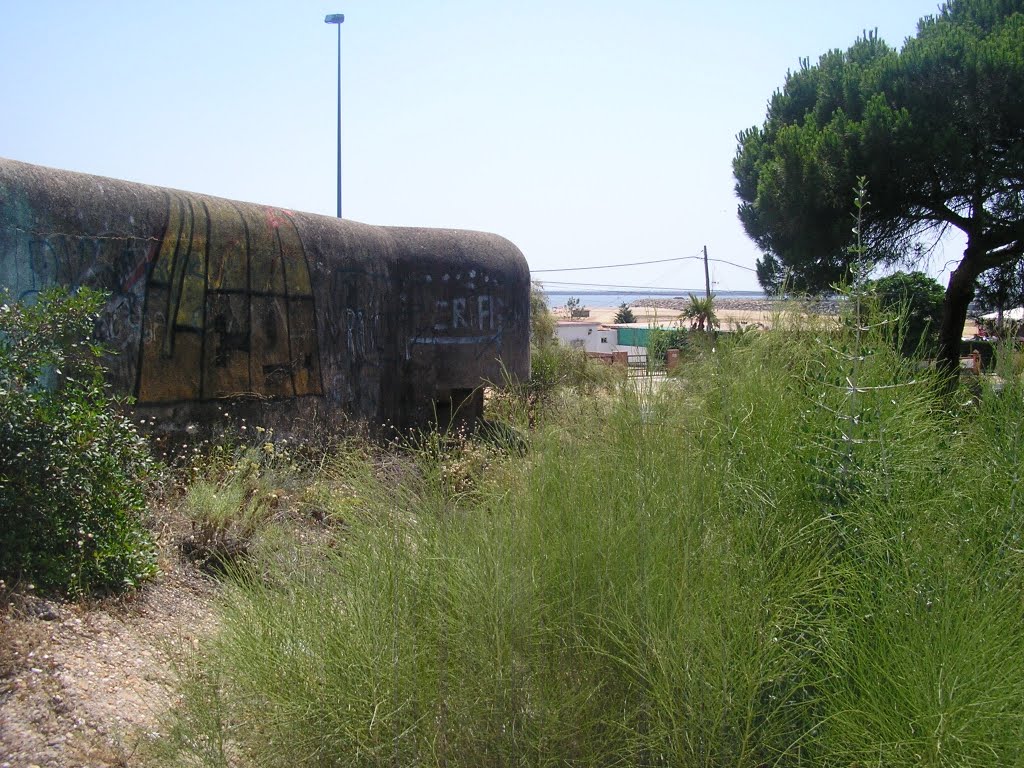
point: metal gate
(637, 366)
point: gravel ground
(81, 683)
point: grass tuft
(753, 564)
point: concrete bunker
(218, 306)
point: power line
(641, 263)
(612, 266)
(658, 288)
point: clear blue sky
(585, 132)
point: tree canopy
(938, 129)
(917, 298)
(624, 314)
(1001, 288)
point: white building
(593, 336)
(588, 335)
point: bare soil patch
(82, 683)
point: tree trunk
(959, 294)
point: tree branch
(943, 212)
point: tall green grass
(774, 562)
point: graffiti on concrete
(474, 320)
(219, 323)
(216, 304)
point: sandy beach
(732, 313)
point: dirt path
(79, 684)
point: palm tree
(702, 313)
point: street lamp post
(338, 18)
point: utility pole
(707, 275)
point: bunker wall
(220, 305)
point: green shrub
(233, 496)
(916, 301)
(661, 340)
(72, 468)
(555, 365)
(554, 369)
(542, 322)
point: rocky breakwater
(816, 306)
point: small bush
(916, 301)
(72, 469)
(554, 365)
(661, 340)
(224, 517)
(237, 490)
